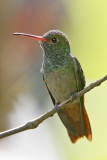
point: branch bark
(35, 123)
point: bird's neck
(54, 61)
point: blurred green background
(23, 95)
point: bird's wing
(80, 78)
(79, 74)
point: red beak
(39, 38)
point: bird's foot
(74, 96)
(56, 107)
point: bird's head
(51, 41)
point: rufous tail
(86, 131)
(76, 121)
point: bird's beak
(39, 38)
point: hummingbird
(63, 77)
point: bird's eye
(54, 40)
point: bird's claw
(56, 107)
(74, 95)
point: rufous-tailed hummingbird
(63, 76)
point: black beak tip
(16, 34)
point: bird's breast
(61, 83)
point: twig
(34, 123)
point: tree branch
(34, 123)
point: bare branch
(34, 123)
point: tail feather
(79, 122)
(73, 138)
(87, 130)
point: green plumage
(60, 67)
(63, 76)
